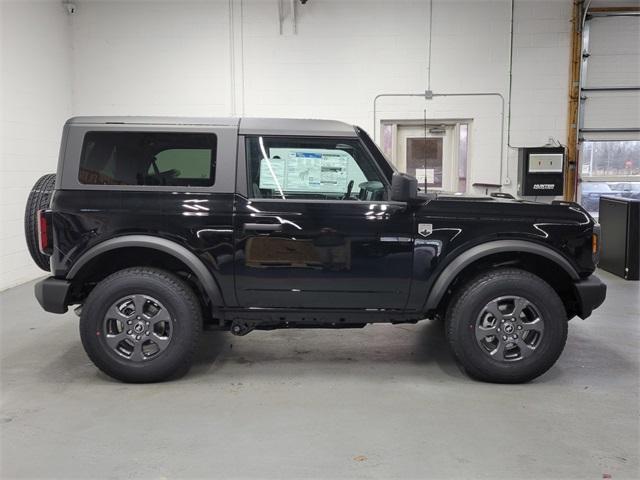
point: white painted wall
(176, 58)
(541, 60)
(35, 101)
(223, 57)
(151, 58)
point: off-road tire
(469, 301)
(39, 199)
(186, 324)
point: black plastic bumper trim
(591, 293)
(52, 294)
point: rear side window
(148, 158)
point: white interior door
(431, 158)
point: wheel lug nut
(504, 337)
(146, 333)
(519, 327)
(503, 320)
(129, 322)
(147, 323)
(138, 337)
(138, 317)
(498, 330)
(129, 332)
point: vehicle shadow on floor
(400, 348)
(417, 345)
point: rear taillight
(44, 232)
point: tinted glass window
(608, 168)
(148, 158)
(609, 158)
(312, 168)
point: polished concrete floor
(381, 402)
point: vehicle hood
(474, 206)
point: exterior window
(609, 168)
(148, 158)
(312, 168)
(425, 162)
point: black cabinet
(620, 222)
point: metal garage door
(610, 107)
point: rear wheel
(506, 326)
(39, 199)
(141, 325)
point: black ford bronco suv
(159, 227)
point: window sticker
(308, 170)
(271, 172)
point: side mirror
(404, 188)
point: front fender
(473, 254)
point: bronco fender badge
(425, 229)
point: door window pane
(424, 161)
(148, 158)
(312, 168)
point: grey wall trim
(162, 244)
(467, 257)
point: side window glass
(148, 158)
(183, 163)
(312, 168)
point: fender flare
(172, 248)
(473, 254)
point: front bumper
(590, 293)
(53, 294)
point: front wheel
(141, 325)
(506, 326)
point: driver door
(316, 230)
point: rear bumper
(53, 294)
(590, 293)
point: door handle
(263, 227)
